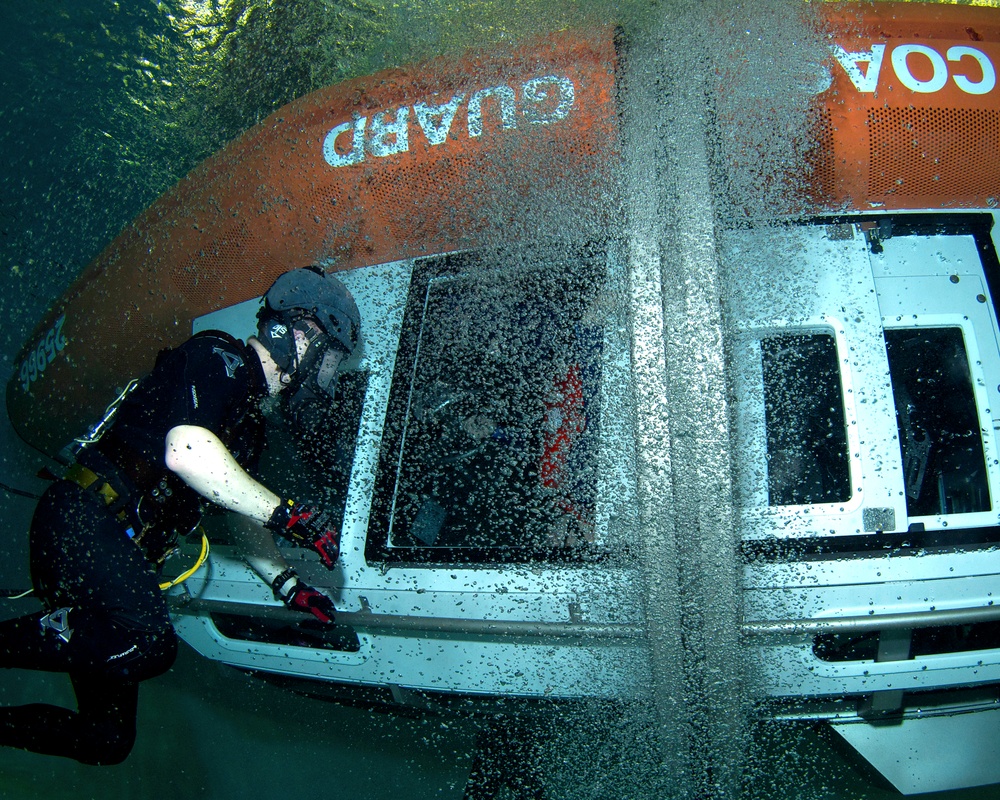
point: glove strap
(280, 516)
(279, 583)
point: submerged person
(189, 430)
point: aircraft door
(815, 420)
(944, 361)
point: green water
(103, 106)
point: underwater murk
(105, 105)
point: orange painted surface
(450, 155)
(917, 125)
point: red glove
(302, 597)
(307, 526)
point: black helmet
(311, 293)
(321, 308)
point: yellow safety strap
(86, 478)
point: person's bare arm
(256, 543)
(200, 459)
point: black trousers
(109, 629)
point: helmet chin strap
(298, 347)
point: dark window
(807, 455)
(310, 449)
(934, 641)
(944, 465)
(309, 633)
(493, 413)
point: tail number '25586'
(44, 354)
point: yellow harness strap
(86, 479)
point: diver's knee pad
(56, 623)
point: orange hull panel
(440, 157)
(912, 119)
(449, 155)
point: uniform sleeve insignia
(233, 362)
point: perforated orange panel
(912, 118)
(934, 152)
(821, 165)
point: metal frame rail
(368, 620)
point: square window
(807, 453)
(494, 413)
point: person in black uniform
(188, 431)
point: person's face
(325, 368)
(306, 333)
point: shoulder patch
(232, 361)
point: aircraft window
(807, 454)
(944, 464)
(493, 413)
(306, 633)
(311, 457)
